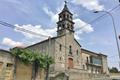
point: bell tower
(65, 23)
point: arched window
(68, 26)
(59, 28)
(60, 18)
(67, 16)
(64, 16)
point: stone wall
(115, 76)
(87, 76)
(80, 75)
(6, 65)
(23, 72)
(105, 64)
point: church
(72, 62)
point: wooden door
(70, 63)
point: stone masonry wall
(23, 72)
(6, 65)
(87, 76)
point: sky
(40, 16)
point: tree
(113, 70)
(37, 59)
(48, 61)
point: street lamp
(115, 32)
(119, 37)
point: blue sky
(41, 16)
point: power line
(21, 29)
(34, 33)
(31, 32)
(97, 18)
(27, 31)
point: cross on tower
(65, 2)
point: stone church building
(72, 62)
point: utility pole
(115, 31)
(48, 66)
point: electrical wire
(34, 33)
(97, 18)
(21, 29)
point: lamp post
(115, 32)
(119, 37)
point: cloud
(89, 4)
(79, 25)
(79, 29)
(9, 42)
(37, 29)
(52, 15)
(35, 33)
(42, 33)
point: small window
(87, 60)
(70, 49)
(60, 47)
(9, 65)
(77, 52)
(68, 16)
